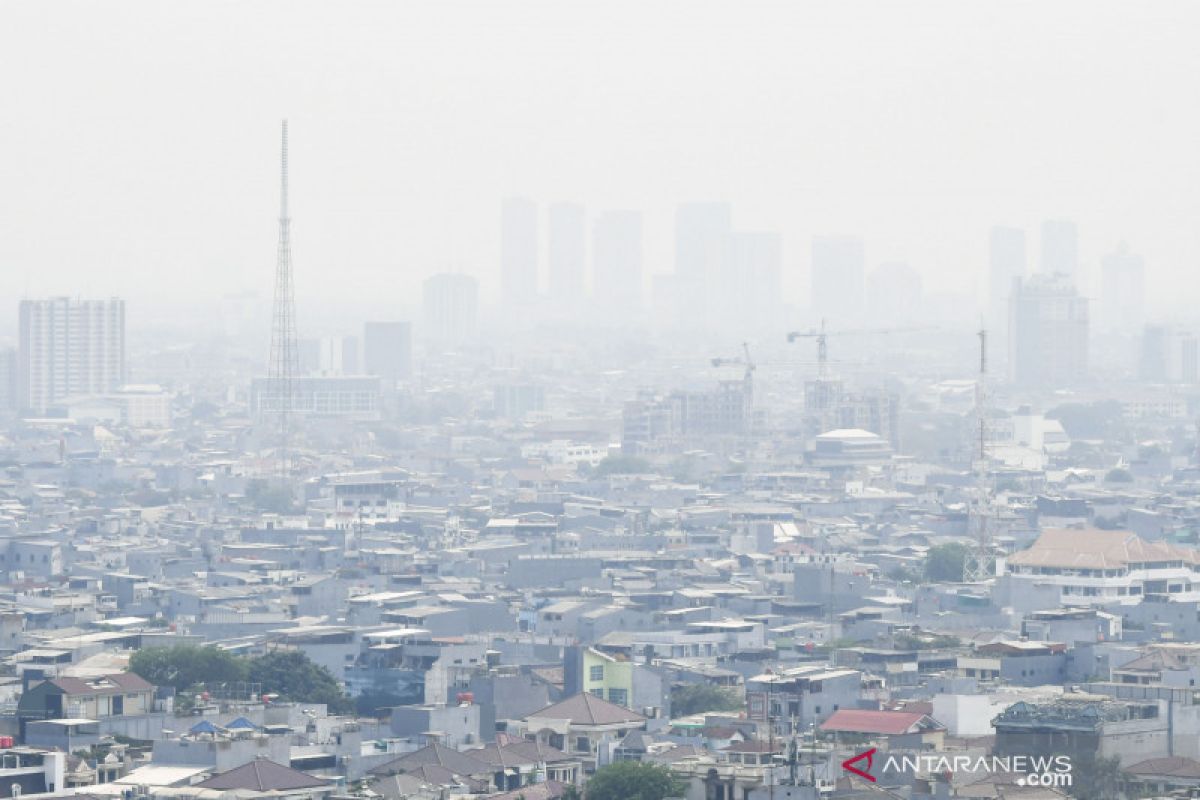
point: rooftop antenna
(285, 357)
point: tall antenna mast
(285, 357)
(980, 563)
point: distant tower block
(285, 356)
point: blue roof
(241, 722)
(204, 726)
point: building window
(618, 696)
(596, 673)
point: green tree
(293, 676)
(270, 499)
(1119, 475)
(622, 465)
(1099, 420)
(187, 667)
(945, 563)
(696, 698)
(633, 780)
(1094, 777)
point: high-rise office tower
(1122, 291)
(617, 262)
(1006, 262)
(752, 286)
(701, 236)
(894, 293)
(1048, 332)
(518, 251)
(450, 304)
(1169, 355)
(69, 347)
(701, 249)
(1060, 248)
(838, 264)
(329, 355)
(566, 253)
(8, 379)
(387, 351)
(350, 359)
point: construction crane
(749, 366)
(748, 376)
(822, 337)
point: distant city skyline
(405, 162)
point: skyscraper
(1006, 261)
(567, 253)
(1122, 290)
(838, 264)
(387, 351)
(701, 249)
(701, 235)
(450, 308)
(894, 293)
(1060, 247)
(752, 286)
(1169, 355)
(69, 347)
(8, 379)
(1048, 332)
(617, 262)
(329, 355)
(518, 251)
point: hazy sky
(138, 140)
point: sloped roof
(1174, 766)
(403, 785)
(520, 752)
(436, 755)
(241, 723)
(1154, 660)
(884, 723)
(550, 790)
(263, 775)
(588, 709)
(116, 683)
(1097, 549)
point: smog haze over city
(599, 400)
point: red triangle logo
(869, 756)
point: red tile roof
(883, 723)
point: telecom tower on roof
(285, 357)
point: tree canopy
(622, 465)
(287, 673)
(945, 562)
(633, 780)
(696, 698)
(293, 676)
(185, 666)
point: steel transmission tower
(285, 357)
(980, 563)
